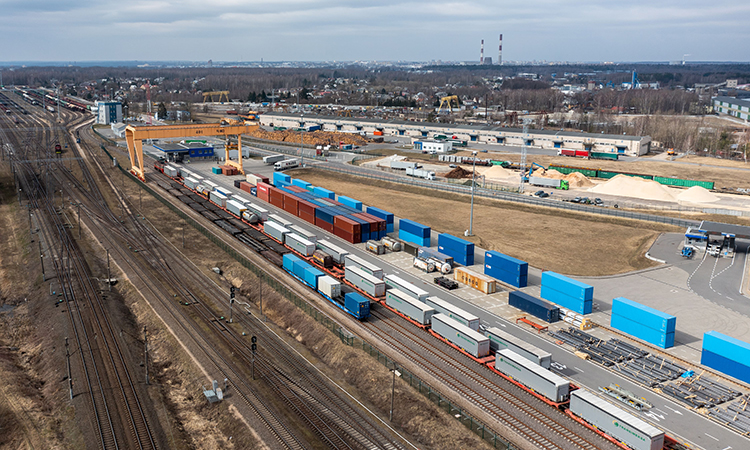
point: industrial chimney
(481, 53)
(500, 51)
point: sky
(386, 30)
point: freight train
(328, 268)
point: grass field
(567, 242)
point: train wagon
(299, 244)
(372, 269)
(454, 312)
(337, 253)
(535, 377)
(500, 340)
(363, 280)
(394, 282)
(409, 306)
(461, 336)
(615, 422)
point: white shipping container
(300, 244)
(192, 183)
(337, 253)
(259, 210)
(309, 235)
(279, 220)
(227, 193)
(460, 335)
(500, 340)
(395, 282)
(533, 376)
(242, 200)
(329, 286)
(275, 230)
(218, 198)
(210, 185)
(364, 281)
(409, 306)
(454, 312)
(170, 171)
(252, 179)
(235, 207)
(372, 269)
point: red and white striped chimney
(481, 53)
(500, 51)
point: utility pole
(473, 187)
(231, 302)
(41, 259)
(109, 277)
(67, 358)
(253, 347)
(145, 352)
(301, 140)
(393, 389)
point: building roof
(465, 128)
(738, 231)
(179, 147)
(734, 101)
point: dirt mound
(697, 194)
(552, 173)
(626, 186)
(310, 138)
(496, 172)
(458, 172)
(577, 180)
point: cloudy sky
(418, 30)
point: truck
(419, 173)
(403, 165)
(575, 153)
(286, 164)
(549, 182)
(272, 159)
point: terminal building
(180, 151)
(730, 106)
(108, 112)
(482, 134)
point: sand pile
(697, 194)
(497, 172)
(458, 172)
(577, 180)
(552, 173)
(626, 186)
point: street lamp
(470, 232)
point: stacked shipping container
(461, 250)
(643, 322)
(384, 215)
(506, 269)
(727, 355)
(568, 293)
(534, 306)
(414, 232)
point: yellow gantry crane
(447, 102)
(135, 135)
(221, 94)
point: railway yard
(147, 292)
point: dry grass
(563, 241)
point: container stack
(216, 170)
(380, 214)
(480, 282)
(281, 179)
(727, 355)
(534, 306)
(325, 193)
(350, 202)
(506, 269)
(461, 250)
(567, 292)
(643, 322)
(303, 184)
(414, 232)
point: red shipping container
(345, 235)
(275, 197)
(262, 178)
(290, 203)
(245, 186)
(263, 192)
(324, 225)
(380, 223)
(296, 189)
(307, 207)
(307, 217)
(346, 224)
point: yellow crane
(135, 135)
(447, 102)
(221, 94)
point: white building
(432, 146)
(109, 112)
(118, 128)
(730, 106)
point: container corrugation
(324, 225)
(322, 192)
(463, 259)
(279, 220)
(645, 315)
(281, 184)
(500, 340)
(396, 282)
(364, 226)
(301, 183)
(566, 301)
(534, 306)
(507, 277)
(337, 253)
(385, 215)
(192, 183)
(414, 228)
(476, 280)
(275, 230)
(356, 261)
(299, 244)
(638, 330)
(357, 305)
(532, 375)
(409, 306)
(325, 215)
(567, 285)
(454, 312)
(365, 281)
(311, 276)
(242, 200)
(455, 244)
(413, 238)
(218, 198)
(310, 236)
(496, 260)
(288, 261)
(725, 365)
(727, 346)
(683, 182)
(462, 336)
(615, 421)
(279, 176)
(216, 170)
(299, 268)
(350, 202)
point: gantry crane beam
(135, 135)
(447, 101)
(221, 94)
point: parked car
(538, 193)
(452, 166)
(577, 200)
(598, 201)
(543, 195)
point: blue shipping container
(569, 286)
(507, 277)
(282, 184)
(414, 239)
(635, 329)
(279, 176)
(380, 214)
(289, 259)
(324, 214)
(464, 260)
(311, 276)
(322, 192)
(566, 301)
(299, 268)
(414, 228)
(534, 306)
(647, 316)
(301, 183)
(725, 365)
(350, 202)
(357, 305)
(727, 346)
(456, 244)
(506, 263)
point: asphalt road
(667, 415)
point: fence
(508, 195)
(432, 394)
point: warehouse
(483, 134)
(730, 106)
(177, 151)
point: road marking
(695, 271)
(501, 324)
(576, 368)
(726, 448)
(672, 410)
(711, 436)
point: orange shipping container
(478, 281)
(377, 133)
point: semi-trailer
(272, 159)
(460, 335)
(500, 340)
(395, 282)
(454, 312)
(409, 306)
(364, 281)
(337, 254)
(535, 377)
(355, 261)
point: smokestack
(500, 51)
(481, 53)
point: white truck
(403, 165)
(419, 173)
(286, 164)
(271, 159)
